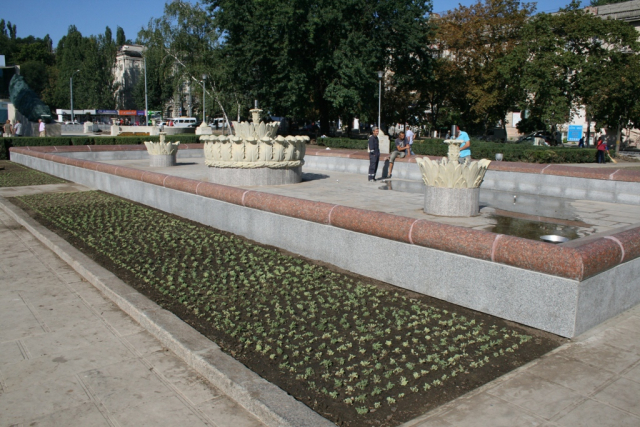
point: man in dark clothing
(402, 150)
(374, 154)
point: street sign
(574, 133)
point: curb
(267, 402)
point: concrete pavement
(70, 357)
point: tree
(605, 2)
(120, 37)
(474, 40)
(309, 58)
(182, 46)
(93, 85)
(569, 60)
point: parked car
(69, 122)
(537, 138)
(495, 135)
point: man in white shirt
(409, 135)
(42, 128)
(17, 129)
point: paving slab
(70, 357)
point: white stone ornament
(255, 145)
(452, 189)
(161, 153)
(161, 147)
(448, 173)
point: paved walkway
(69, 357)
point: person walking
(465, 146)
(17, 129)
(402, 150)
(42, 128)
(601, 147)
(581, 143)
(410, 136)
(374, 154)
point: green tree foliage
(571, 59)
(26, 100)
(472, 42)
(605, 2)
(33, 55)
(93, 85)
(182, 46)
(309, 58)
(120, 37)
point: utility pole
(146, 103)
(204, 78)
(380, 75)
(71, 92)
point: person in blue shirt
(465, 145)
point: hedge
(484, 150)
(6, 143)
(424, 147)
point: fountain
(254, 155)
(161, 153)
(452, 189)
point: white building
(129, 68)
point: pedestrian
(448, 135)
(17, 129)
(410, 136)
(42, 128)
(465, 146)
(581, 143)
(374, 154)
(601, 147)
(8, 129)
(402, 149)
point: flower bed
(15, 175)
(356, 351)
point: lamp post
(204, 78)
(380, 75)
(146, 103)
(71, 92)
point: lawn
(357, 351)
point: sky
(40, 17)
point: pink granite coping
(606, 173)
(572, 262)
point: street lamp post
(380, 75)
(71, 92)
(146, 103)
(204, 78)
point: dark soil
(309, 390)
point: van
(183, 122)
(218, 123)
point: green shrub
(483, 150)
